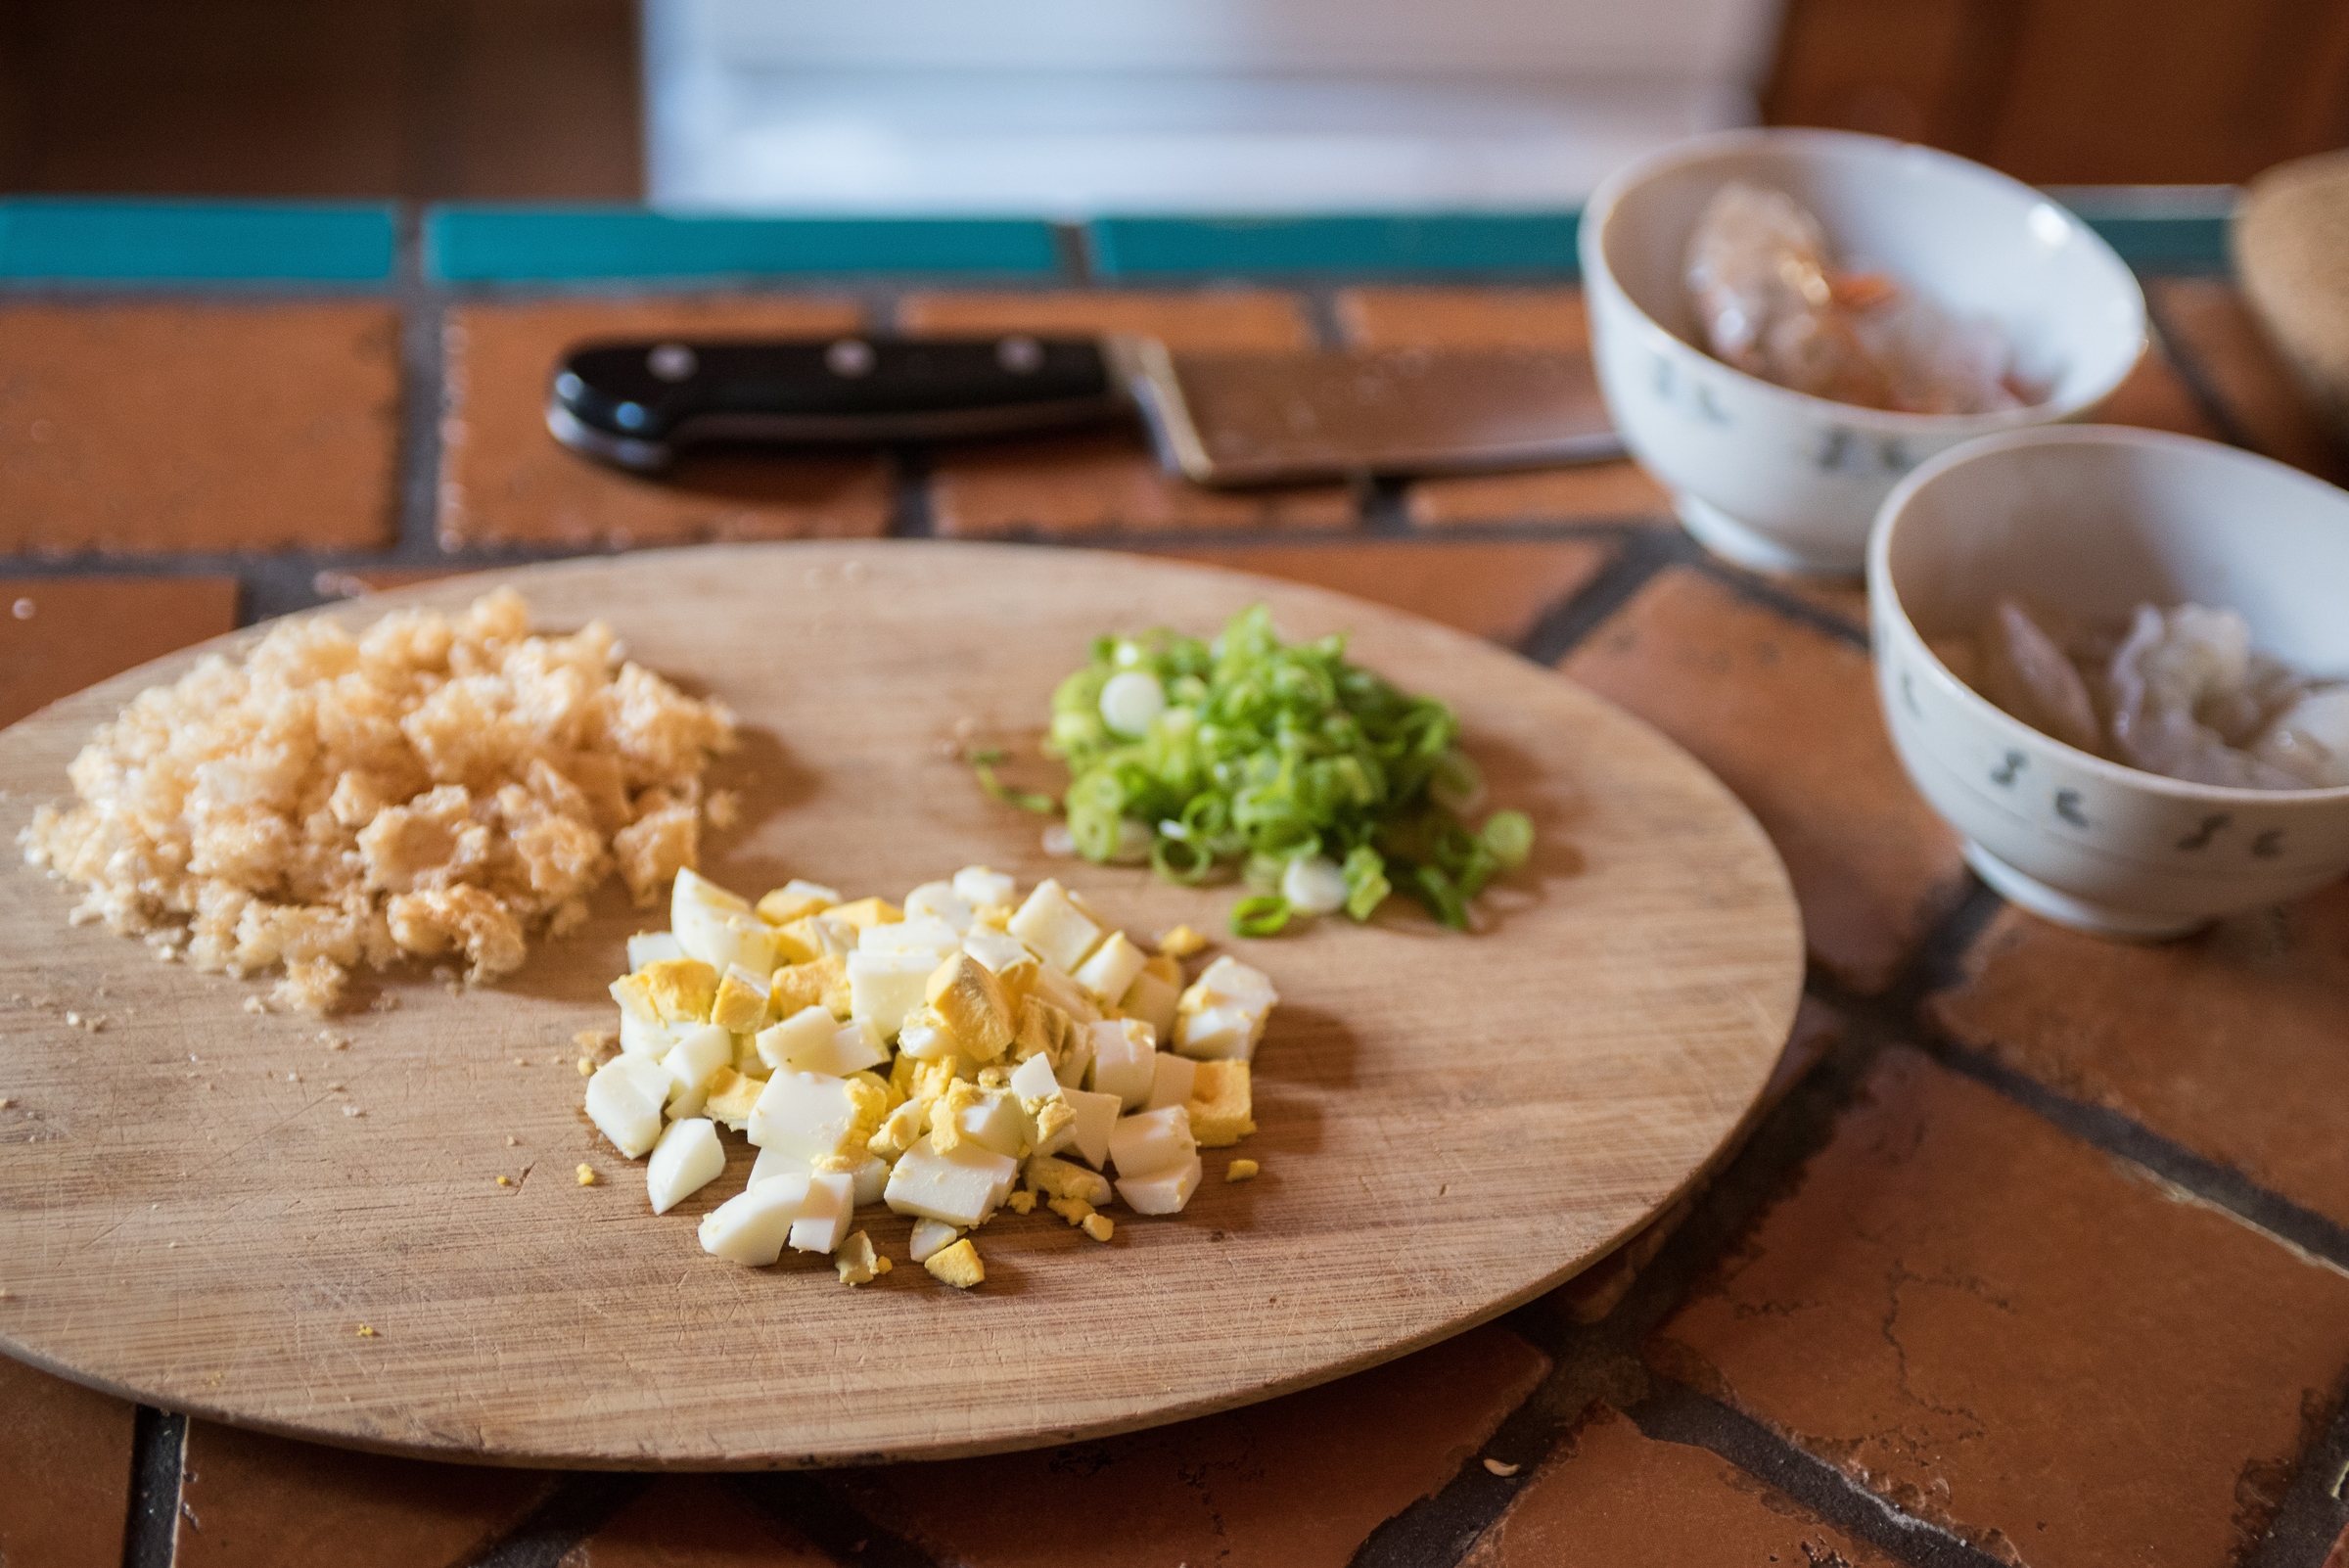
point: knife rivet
(629, 416)
(671, 361)
(1021, 356)
(851, 357)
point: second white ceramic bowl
(1784, 481)
(2096, 520)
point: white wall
(1068, 108)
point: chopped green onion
(1509, 835)
(1261, 915)
(983, 764)
(1268, 752)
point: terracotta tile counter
(2039, 1254)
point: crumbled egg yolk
(967, 1052)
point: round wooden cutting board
(1448, 1124)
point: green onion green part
(1266, 752)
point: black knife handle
(635, 404)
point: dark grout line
(2117, 1134)
(422, 378)
(1443, 1527)
(1384, 505)
(2313, 1516)
(2199, 387)
(1562, 627)
(584, 1501)
(1675, 1414)
(910, 514)
(808, 1505)
(159, 1445)
(1771, 596)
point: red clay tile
(2203, 1040)
(248, 1498)
(1293, 1483)
(2019, 1337)
(1496, 590)
(1618, 1498)
(2209, 324)
(341, 582)
(1599, 1289)
(1464, 318)
(2156, 397)
(505, 480)
(1846, 601)
(693, 1521)
(140, 427)
(1497, 318)
(64, 1469)
(1598, 492)
(60, 634)
(1787, 716)
(1107, 480)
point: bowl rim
(1599, 211)
(1884, 597)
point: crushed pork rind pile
(434, 786)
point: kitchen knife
(1223, 419)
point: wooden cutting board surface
(1449, 1125)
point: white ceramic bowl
(1784, 481)
(2097, 521)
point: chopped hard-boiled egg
(752, 1227)
(929, 1057)
(958, 1266)
(624, 1101)
(687, 1159)
(933, 1236)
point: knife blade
(1218, 419)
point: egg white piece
(1164, 1191)
(961, 1186)
(938, 901)
(1111, 969)
(910, 935)
(806, 1115)
(1154, 1002)
(998, 1123)
(639, 1036)
(1123, 1052)
(626, 1097)
(871, 1181)
(651, 947)
(982, 887)
(776, 1163)
(1152, 1141)
(1063, 992)
(699, 1052)
(1051, 924)
(1172, 1079)
(885, 986)
(1096, 1115)
(692, 890)
(932, 1236)
(687, 1159)
(1223, 1032)
(722, 937)
(823, 1219)
(996, 949)
(925, 1037)
(804, 1033)
(752, 1227)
